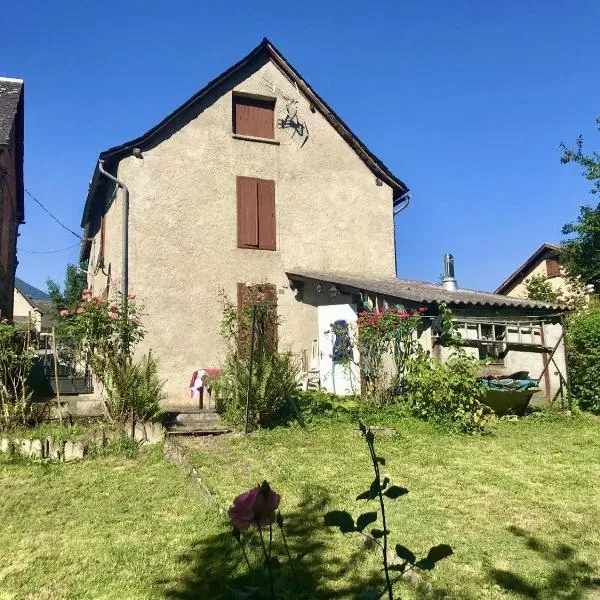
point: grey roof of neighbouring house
(36, 297)
(10, 94)
(12, 119)
(424, 292)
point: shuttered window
(256, 213)
(552, 267)
(264, 297)
(253, 117)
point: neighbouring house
(544, 261)
(256, 180)
(32, 307)
(12, 208)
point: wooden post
(60, 421)
(250, 370)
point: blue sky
(466, 101)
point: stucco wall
(330, 215)
(23, 311)
(520, 291)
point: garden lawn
(520, 508)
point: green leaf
(434, 555)
(341, 519)
(365, 519)
(379, 533)
(395, 491)
(372, 492)
(380, 460)
(405, 554)
(274, 562)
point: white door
(341, 377)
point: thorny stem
(267, 561)
(245, 555)
(289, 555)
(382, 504)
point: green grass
(520, 507)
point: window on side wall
(256, 227)
(254, 117)
(552, 267)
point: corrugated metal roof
(423, 292)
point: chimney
(449, 281)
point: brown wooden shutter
(254, 117)
(552, 267)
(267, 232)
(247, 212)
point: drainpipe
(403, 203)
(125, 241)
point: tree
(581, 255)
(70, 296)
(539, 288)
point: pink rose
(64, 312)
(255, 507)
(113, 315)
(113, 304)
(131, 296)
(86, 293)
(422, 309)
(136, 320)
(79, 310)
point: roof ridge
(12, 79)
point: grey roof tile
(423, 292)
(10, 93)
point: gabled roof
(424, 292)
(266, 48)
(12, 118)
(36, 297)
(544, 251)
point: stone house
(31, 307)
(253, 180)
(544, 261)
(12, 208)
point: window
(491, 344)
(552, 267)
(254, 117)
(256, 213)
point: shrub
(16, 361)
(583, 342)
(446, 393)
(272, 386)
(130, 385)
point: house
(254, 180)
(11, 186)
(544, 261)
(32, 307)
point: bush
(274, 375)
(583, 339)
(446, 393)
(272, 391)
(136, 386)
(16, 361)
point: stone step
(186, 418)
(199, 429)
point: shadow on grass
(569, 579)
(216, 566)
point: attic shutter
(552, 267)
(267, 239)
(247, 212)
(254, 117)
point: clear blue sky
(466, 101)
